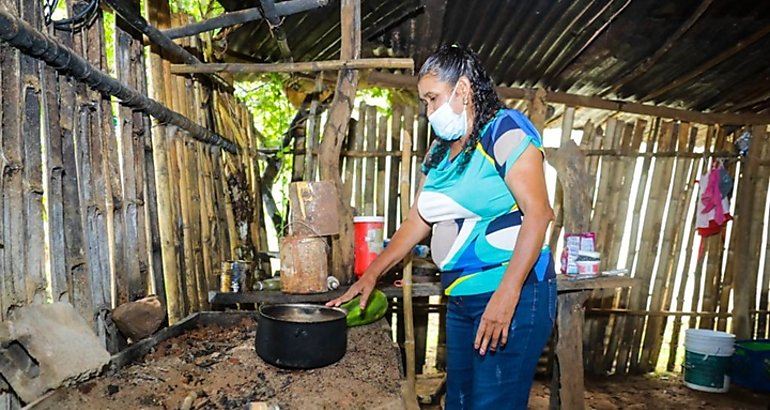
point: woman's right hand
(363, 287)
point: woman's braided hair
(448, 64)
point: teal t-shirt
(474, 216)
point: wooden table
(567, 388)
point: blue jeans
(501, 379)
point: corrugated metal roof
(717, 52)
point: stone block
(44, 346)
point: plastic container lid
(368, 219)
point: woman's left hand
(495, 322)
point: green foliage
(266, 100)
(198, 9)
(272, 113)
(108, 22)
(378, 97)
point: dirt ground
(658, 392)
(218, 368)
(655, 392)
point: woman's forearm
(409, 234)
(528, 247)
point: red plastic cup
(368, 236)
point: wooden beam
(376, 78)
(712, 62)
(28, 40)
(648, 62)
(284, 8)
(309, 66)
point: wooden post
(744, 209)
(334, 136)
(568, 369)
(409, 345)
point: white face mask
(447, 124)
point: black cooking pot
(301, 336)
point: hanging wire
(84, 14)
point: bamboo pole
(313, 131)
(382, 140)
(651, 236)
(692, 201)
(163, 181)
(624, 349)
(714, 273)
(764, 289)
(302, 67)
(358, 169)
(714, 285)
(132, 164)
(663, 277)
(616, 324)
(392, 198)
(408, 127)
(609, 188)
(758, 211)
(222, 204)
(13, 222)
(301, 149)
(409, 346)
(96, 214)
(76, 263)
(32, 172)
(616, 208)
(369, 165)
(53, 135)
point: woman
(483, 194)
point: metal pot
(301, 336)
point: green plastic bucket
(707, 360)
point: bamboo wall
(100, 205)
(645, 172)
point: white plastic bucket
(707, 360)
